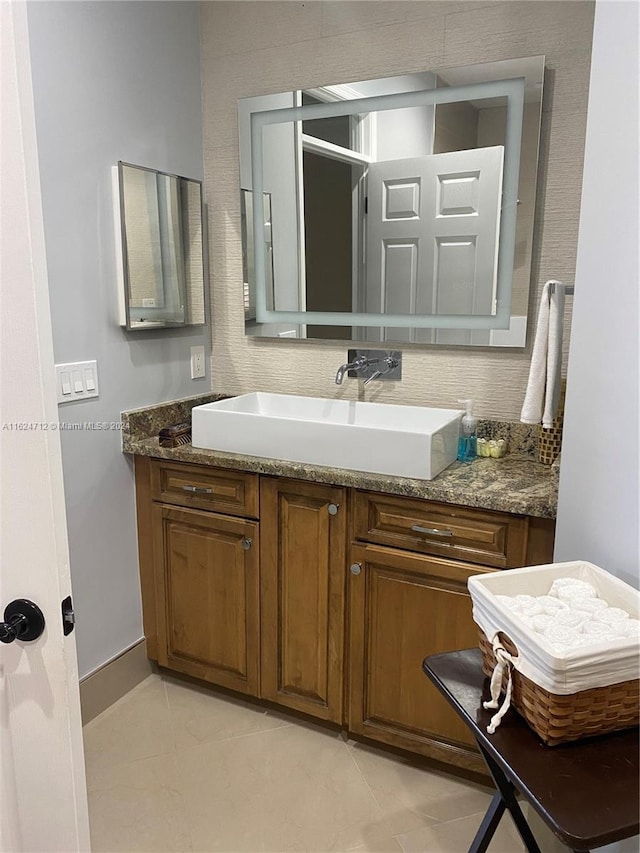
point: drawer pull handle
(432, 531)
(246, 543)
(356, 568)
(199, 490)
(333, 509)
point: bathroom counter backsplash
(517, 483)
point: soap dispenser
(468, 434)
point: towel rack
(568, 289)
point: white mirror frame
(192, 315)
(513, 91)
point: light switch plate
(76, 380)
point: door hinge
(68, 616)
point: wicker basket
(550, 440)
(560, 719)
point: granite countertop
(517, 483)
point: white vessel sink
(404, 441)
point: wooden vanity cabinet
(408, 598)
(323, 599)
(260, 614)
(303, 562)
(200, 571)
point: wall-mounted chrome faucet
(359, 363)
(371, 364)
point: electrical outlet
(197, 363)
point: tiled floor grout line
(480, 816)
(364, 778)
(233, 737)
(218, 739)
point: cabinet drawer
(463, 533)
(231, 492)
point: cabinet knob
(333, 509)
(246, 543)
(356, 568)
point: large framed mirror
(401, 209)
(160, 236)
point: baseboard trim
(111, 681)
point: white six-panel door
(432, 229)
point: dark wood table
(586, 791)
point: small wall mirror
(161, 238)
(401, 209)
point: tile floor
(175, 767)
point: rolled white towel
(611, 615)
(561, 638)
(541, 622)
(529, 606)
(589, 605)
(510, 602)
(596, 630)
(570, 618)
(550, 604)
(565, 588)
(627, 628)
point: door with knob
(403, 607)
(302, 576)
(208, 592)
(43, 804)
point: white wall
(598, 511)
(112, 81)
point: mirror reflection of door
(405, 235)
(432, 229)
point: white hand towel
(543, 388)
(568, 588)
(554, 355)
(571, 618)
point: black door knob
(23, 620)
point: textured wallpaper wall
(253, 48)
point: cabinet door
(207, 592)
(303, 566)
(404, 607)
